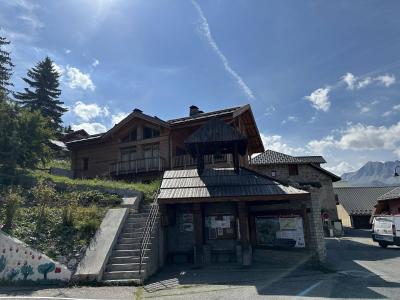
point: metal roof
(200, 116)
(360, 200)
(392, 194)
(221, 182)
(316, 159)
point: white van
(386, 230)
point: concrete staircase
(123, 264)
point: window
(151, 151)
(85, 162)
(149, 133)
(128, 154)
(273, 173)
(293, 170)
(132, 136)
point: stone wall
(18, 262)
(307, 174)
(316, 238)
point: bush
(12, 202)
(90, 197)
(44, 195)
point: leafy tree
(13, 201)
(46, 268)
(43, 93)
(9, 138)
(6, 67)
(23, 138)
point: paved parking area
(361, 270)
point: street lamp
(395, 172)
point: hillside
(374, 173)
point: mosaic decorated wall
(20, 262)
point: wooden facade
(141, 146)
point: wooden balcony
(184, 161)
(137, 166)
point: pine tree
(6, 67)
(43, 93)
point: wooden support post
(198, 233)
(244, 234)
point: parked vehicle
(386, 230)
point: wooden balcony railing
(183, 161)
(137, 166)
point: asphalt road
(360, 270)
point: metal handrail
(148, 229)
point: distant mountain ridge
(374, 173)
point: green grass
(52, 237)
(148, 189)
(62, 164)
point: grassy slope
(148, 189)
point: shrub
(44, 194)
(12, 200)
(88, 228)
(90, 197)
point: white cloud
(87, 112)
(320, 99)
(341, 168)
(91, 128)
(67, 51)
(269, 110)
(205, 30)
(78, 79)
(386, 80)
(275, 143)
(361, 137)
(116, 118)
(364, 82)
(95, 63)
(290, 119)
(59, 68)
(349, 79)
(365, 109)
(319, 146)
(394, 110)
(74, 78)
(32, 21)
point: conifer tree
(6, 67)
(43, 93)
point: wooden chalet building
(214, 208)
(142, 146)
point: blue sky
(322, 77)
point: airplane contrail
(205, 27)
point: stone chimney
(193, 110)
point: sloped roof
(392, 194)
(205, 115)
(274, 157)
(360, 200)
(315, 159)
(222, 182)
(270, 157)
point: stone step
(116, 275)
(124, 267)
(137, 215)
(121, 253)
(131, 235)
(135, 223)
(127, 246)
(123, 260)
(127, 240)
